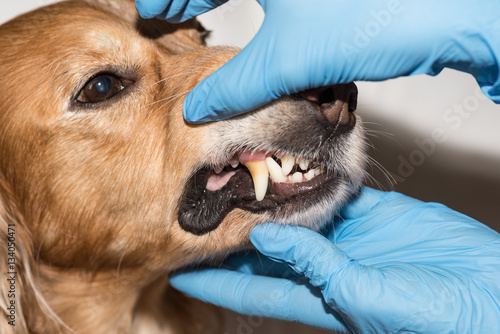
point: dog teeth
(297, 177)
(263, 168)
(303, 164)
(275, 171)
(218, 169)
(260, 176)
(287, 163)
(309, 175)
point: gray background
(462, 172)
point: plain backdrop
(437, 138)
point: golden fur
(92, 195)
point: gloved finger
(362, 203)
(369, 199)
(253, 262)
(237, 87)
(150, 8)
(363, 295)
(180, 11)
(258, 296)
(175, 11)
(306, 251)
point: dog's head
(104, 170)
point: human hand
(307, 44)
(175, 11)
(391, 264)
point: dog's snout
(335, 103)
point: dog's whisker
(373, 181)
(372, 123)
(384, 171)
(370, 144)
(167, 98)
(166, 104)
(223, 259)
(379, 133)
(213, 68)
(170, 77)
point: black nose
(336, 104)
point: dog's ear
(177, 38)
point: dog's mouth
(281, 183)
(254, 181)
(277, 175)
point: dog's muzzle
(260, 181)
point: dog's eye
(100, 88)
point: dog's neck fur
(112, 302)
(106, 301)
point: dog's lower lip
(281, 192)
(294, 189)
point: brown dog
(104, 188)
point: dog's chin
(310, 202)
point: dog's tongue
(217, 181)
(255, 161)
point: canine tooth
(235, 164)
(287, 163)
(297, 177)
(309, 175)
(303, 164)
(218, 169)
(274, 170)
(260, 176)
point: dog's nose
(336, 103)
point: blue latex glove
(305, 44)
(393, 264)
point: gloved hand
(391, 264)
(305, 44)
